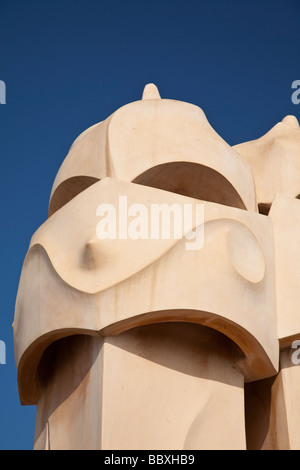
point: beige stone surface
(285, 216)
(274, 159)
(127, 391)
(273, 411)
(125, 283)
(138, 342)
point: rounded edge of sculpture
(106, 151)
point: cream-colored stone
(151, 92)
(138, 342)
(161, 143)
(274, 159)
(273, 410)
(135, 282)
(285, 216)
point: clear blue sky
(69, 64)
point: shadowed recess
(192, 180)
(68, 189)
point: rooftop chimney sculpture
(125, 340)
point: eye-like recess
(192, 180)
(67, 190)
(185, 178)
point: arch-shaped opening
(192, 180)
(68, 348)
(67, 190)
(254, 362)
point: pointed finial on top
(151, 92)
(291, 121)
